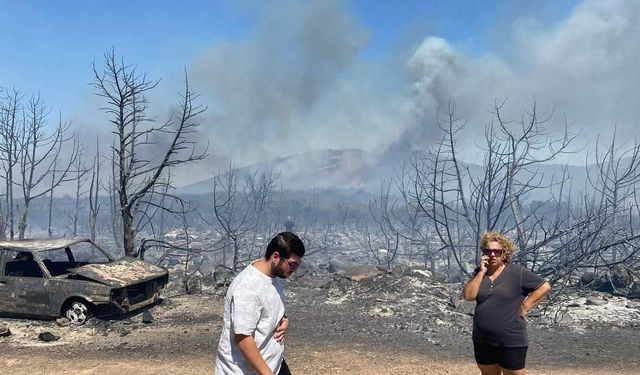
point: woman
(504, 293)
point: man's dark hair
(286, 244)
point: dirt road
(302, 360)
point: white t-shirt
(254, 306)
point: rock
(400, 270)
(304, 270)
(455, 300)
(441, 277)
(456, 279)
(48, 337)
(565, 319)
(595, 302)
(331, 268)
(460, 305)
(359, 273)
(223, 277)
(620, 278)
(194, 285)
(443, 295)
(4, 330)
(147, 317)
(633, 305)
(63, 322)
(422, 273)
(588, 278)
(336, 266)
(534, 313)
(208, 281)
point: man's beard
(278, 272)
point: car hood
(121, 273)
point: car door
(7, 303)
(25, 287)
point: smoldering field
(399, 320)
(379, 289)
(356, 307)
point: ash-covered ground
(385, 322)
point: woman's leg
(489, 369)
(512, 360)
(513, 372)
(486, 358)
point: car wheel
(77, 312)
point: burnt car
(73, 278)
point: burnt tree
(143, 151)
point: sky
(284, 77)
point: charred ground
(402, 321)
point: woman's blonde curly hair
(508, 247)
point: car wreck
(74, 278)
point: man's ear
(276, 256)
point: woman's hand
(523, 312)
(533, 299)
(484, 263)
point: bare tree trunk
(185, 228)
(3, 225)
(12, 130)
(94, 190)
(128, 239)
(76, 213)
(114, 205)
(79, 171)
(516, 211)
(53, 179)
(40, 152)
(231, 211)
(22, 222)
(236, 252)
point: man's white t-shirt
(254, 306)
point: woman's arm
(470, 290)
(533, 299)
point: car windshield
(59, 261)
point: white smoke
(298, 82)
(585, 68)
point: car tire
(77, 311)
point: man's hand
(523, 312)
(281, 330)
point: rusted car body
(73, 277)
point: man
(289, 224)
(254, 323)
